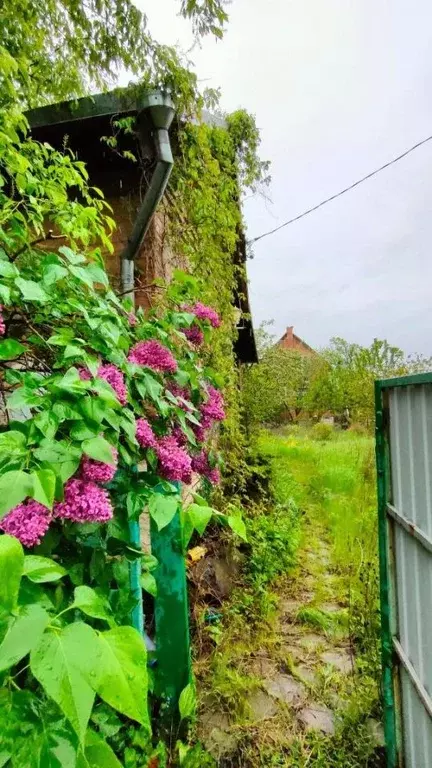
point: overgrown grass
(321, 490)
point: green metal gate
(404, 465)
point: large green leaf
(92, 604)
(7, 269)
(54, 272)
(31, 291)
(12, 442)
(100, 449)
(23, 634)
(200, 516)
(63, 663)
(10, 349)
(237, 525)
(162, 509)
(98, 274)
(97, 753)
(53, 744)
(82, 274)
(11, 569)
(44, 484)
(122, 678)
(42, 569)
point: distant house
(290, 341)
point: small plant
(322, 432)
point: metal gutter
(160, 108)
(161, 111)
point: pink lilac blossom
(2, 322)
(178, 434)
(113, 376)
(144, 434)
(205, 313)
(194, 334)
(200, 431)
(201, 465)
(180, 392)
(132, 319)
(28, 522)
(213, 408)
(174, 462)
(98, 471)
(84, 502)
(154, 355)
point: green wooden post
(173, 669)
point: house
(134, 190)
(290, 341)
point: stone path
(300, 673)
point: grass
(323, 502)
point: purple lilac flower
(84, 502)
(132, 319)
(183, 393)
(213, 408)
(178, 435)
(194, 334)
(98, 471)
(154, 355)
(201, 465)
(174, 462)
(144, 434)
(28, 521)
(200, 431)
(2, 322)
(205, 313)
(112, 375)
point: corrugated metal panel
(410, 438)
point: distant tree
(346, 380)
(274, 390)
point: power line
(342, 192)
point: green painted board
(173, 669)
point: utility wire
(342, 192)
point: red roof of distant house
(290, 341)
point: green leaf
(53, 273)
(82, 274)
(5, 294)
(148, 583)
(99, 449)
(57, 451)
(62, 663)
(92, 604)
(31, 291)
(47, 422)
(122, 678)
(73, 350)
(72, 257)
(42, 569)
(162, 509)
(44, 485)
(11, 568)
(237, 525)
(10, 349)
(62, 338)
(71, 382)
(187, 702)
(98, 275)
(23, 634)
(98, 754)
(13, 443)
(153, 388)
(7, 269)
(200, 516)
(15, 486)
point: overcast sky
(338, 88)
